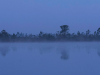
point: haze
(33, 16)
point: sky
(33, 16)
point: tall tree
(40, 34)
(4, 35)
(64, 29)
(98, 31)
(87, 32)
(78, 33)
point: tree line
(62, 35)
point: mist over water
(71, 58)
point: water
(77, 58)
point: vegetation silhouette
(60, 36)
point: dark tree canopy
(62, 35)
(98, 31)
(64, 29)
(88, 32)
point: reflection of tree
(64, 55)
(63, 50)
(98, 53)
(4, 50)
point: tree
(98, 31)
(13, 37)
(64, 29)
(95, 34)
(40, 34)
(18, 34)
(4, 35)
(78, 33)
(87, 32)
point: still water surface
(81, 58)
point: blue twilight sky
(33, 16)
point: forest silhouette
(61, 36)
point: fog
(71, 58)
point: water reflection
(98, 53)
(64, 55)
(4, 50)
(56, 59)
(62, 49)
